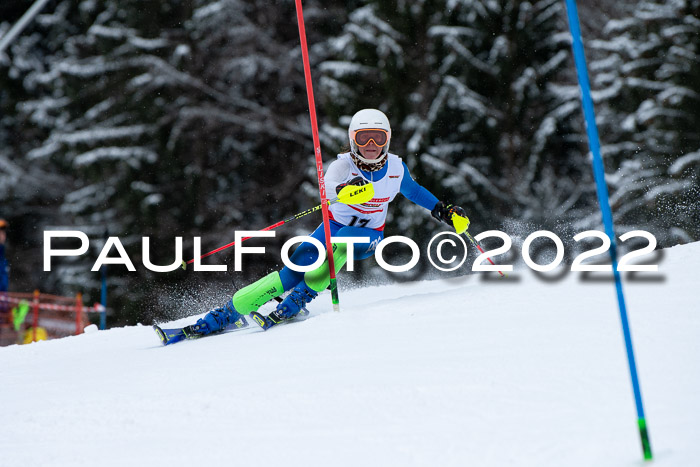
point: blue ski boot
(216, 320)
(295, 301)
(288, 308)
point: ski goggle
(363, 137)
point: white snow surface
(518, 372)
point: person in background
(4, 266)
(28, 337)
(4, 276)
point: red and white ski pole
(461, 224)
(476, 244)
(351, 194)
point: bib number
(360, 222)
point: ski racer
(368, 160)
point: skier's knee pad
(253, 296)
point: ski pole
(461, 224)
(350, 194)
(476, 244)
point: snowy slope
(436, 373)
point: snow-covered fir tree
(167, 119)
(646, 80)
(481, 101)
(31, 190)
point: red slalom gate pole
(317, 153)
(78, 313)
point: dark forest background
(166, 118)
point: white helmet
(369, 119)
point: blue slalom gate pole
(602, 191)
(103, 299)
(103, 291)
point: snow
(683, 162)
(366, 15)
(457, 31)
(340, 69)
(104, 134)
(116, 33)
(209, 10)
(131, 155)
(464, 53)
(466, 371)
